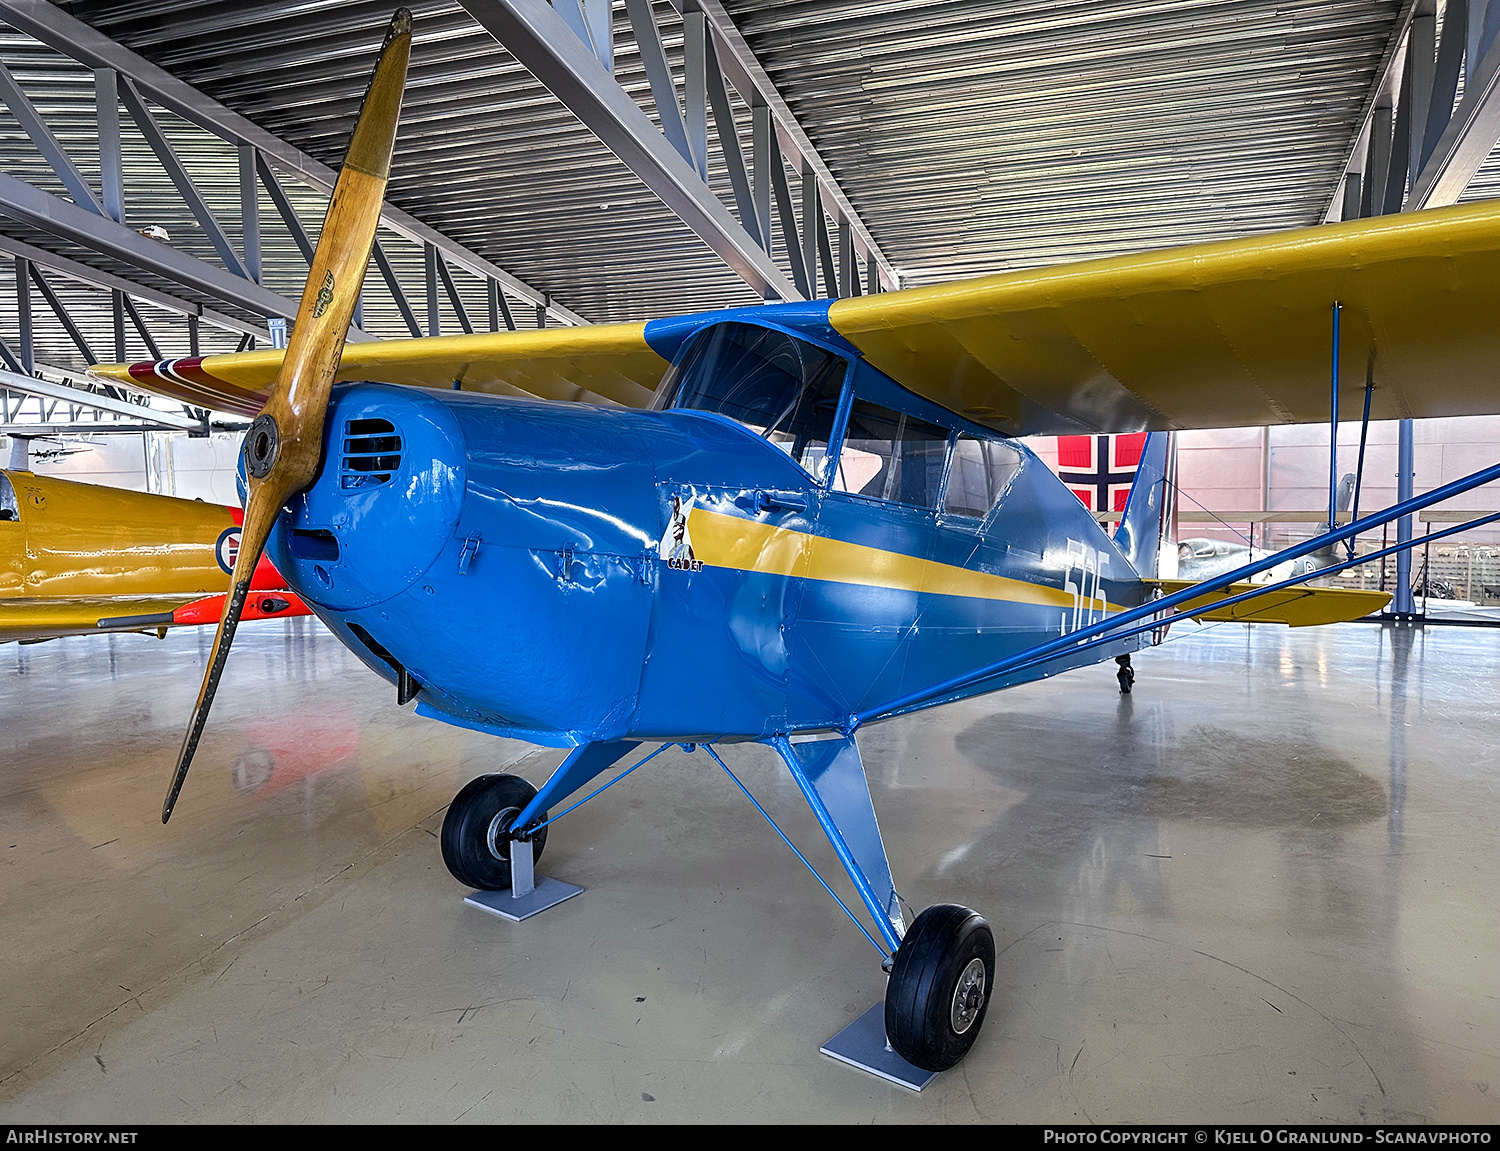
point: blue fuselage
(517, 558)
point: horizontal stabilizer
(1293, 606)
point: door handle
(780, 502)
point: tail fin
(1149, 511)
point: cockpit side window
(889, 455)
(982, 470)
(782, 388)
(10, 510)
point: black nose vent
(372, 453)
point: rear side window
(981, 471)
(889, 455)
(9, 509)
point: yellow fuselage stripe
(749, 545)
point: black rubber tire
(466, 828)
(919, 998)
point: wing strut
(1110, 628)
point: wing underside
(1233, 334)
(29, 619)
(1294, 606)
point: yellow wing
(610, 362)
(1296, 606)
(1233, 334)
(35, 618)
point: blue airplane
(778, 524)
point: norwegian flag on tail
(1100, 469)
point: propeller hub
(262, 446)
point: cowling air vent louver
(372, 453)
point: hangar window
(982, 470)
(9, 509)
(782, 388)
(889, 455)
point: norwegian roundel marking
(227, 549)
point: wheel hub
(968, 996)
(497, 837)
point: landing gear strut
(1126, 674)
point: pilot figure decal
(676, 541)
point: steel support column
(27, 350)
(111, 168)
(1405, 482)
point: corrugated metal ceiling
(971, 136)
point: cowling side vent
(371, 455)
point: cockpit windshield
(780, 387)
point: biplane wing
(1230, 334)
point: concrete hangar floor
(1263, 887)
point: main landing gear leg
(485, 848)
(1126, 674)
(942, 970)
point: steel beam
(63, 318)
(140, 327)
(451, 290)
(94, 278)
(812, 215)
(752, 81)
(389, 275)
(1405, 483)
(658, 74)
(21, 201)
(111, 168)
(434, 309)
(825, 255)
(77, 40)
(250, 213)
(540, 39)
(32, 386)
(729, 141)
(499, 308)
(52, 151)
(789, 238)
(85, 428)
(767, 152)
(186, 188)
(10, 359)
(1471, 135)
(23, 314)
(695, 59)
(1411, 136)
(1450, 60)
(284, 207)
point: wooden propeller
(285, 443)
